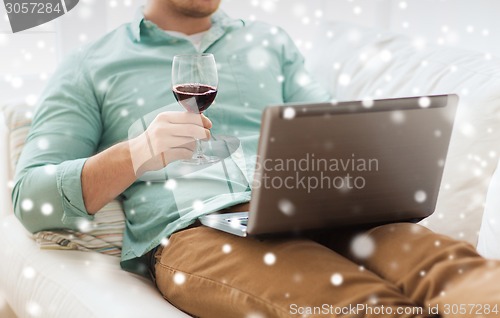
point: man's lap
(207, 272)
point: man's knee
(399, 230)
(407, 237)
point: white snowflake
(398, 117)
(27, 205)
(289, 113)
(28, 115)
(299, 10)
(344, 79)
(164, 241)
(50, 169)
(84, 225)
(16, 82)
(367, 102)
(419, 43)
(198, 205)
(385, 55)
(303, 79)
(337, 279)
(468, 130)
(226, 248)
(286, 207)
(31, 99)
(29, 272)
(170, 184)
(424, 102)
(47, 209)
(297, 277)
(258, 58)
(255, 315)
(83, 37)
(269, 259)
(179, 278)
(103, 86)
(420, 196)
(33, 309)
(362, 246)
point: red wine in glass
(195, 98)
(194, 84)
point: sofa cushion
(104, 234)
(359, 63)
(489, 235)
(62, 284)
(18, 120)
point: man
(78, 157)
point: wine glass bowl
(195, 98)
(194, 85)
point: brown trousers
(395, 270)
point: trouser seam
(263, 301)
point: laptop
(345, 164)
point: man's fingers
(181, 143)
(185, 118)
(167, 142)
(208, 134)
(207, 123)
(189, 130)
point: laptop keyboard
(242, 221)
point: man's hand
(170, 137)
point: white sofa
(355, 63)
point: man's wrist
(140, 154)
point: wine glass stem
(199, 150)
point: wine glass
(194, 84)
